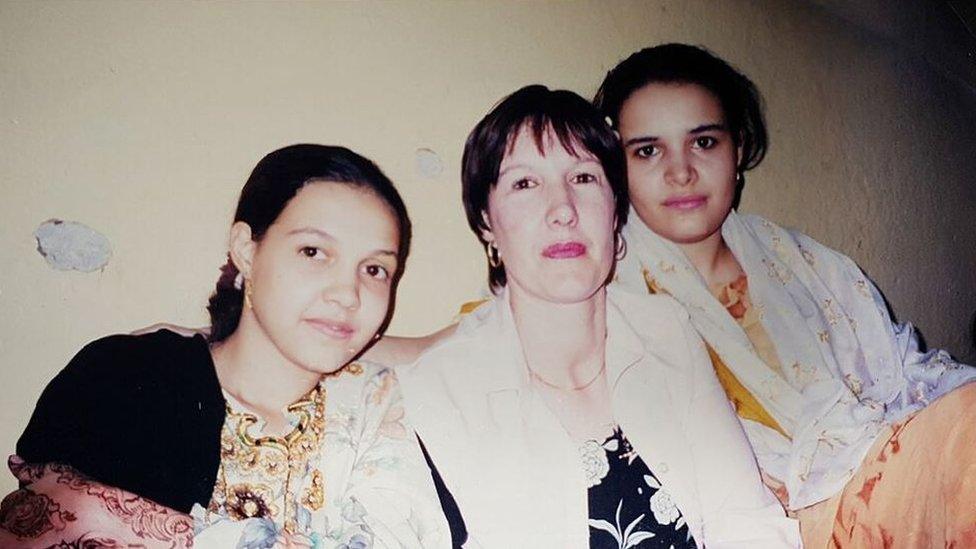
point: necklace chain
(580, 387)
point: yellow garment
(734, 297)
(470, 306)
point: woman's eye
(705, 142)
(524, 183)
(647, 151)
(377, 271)
(311, 252)
(584, 178)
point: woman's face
(322, 275)
(551, 215)
(681, 160)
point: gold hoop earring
(248, 291)
(494, 258)
(621, 247)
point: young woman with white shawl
(828, 388)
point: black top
(628, 506)
(141, 413)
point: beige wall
(143, 119)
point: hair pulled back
(686, 64)
(275, 180)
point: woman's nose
(679, 170)
(343, 290)
(562, 207)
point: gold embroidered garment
(349, 473)
(267, 476)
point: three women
(799, 339)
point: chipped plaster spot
(69, 245)
(428, 163)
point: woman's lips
(331, 328)
(686, 202)
(564, 250)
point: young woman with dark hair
(561, 414)
(266, 432)
(845, 414)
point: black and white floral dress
(628, 506)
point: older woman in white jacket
(561, 414)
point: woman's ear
(486, 233)
(242, 247)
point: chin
(571, 291)
(327, 362)
(686, 236)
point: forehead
(659, 104)
(337, 207)
(529, 142)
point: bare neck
(713, 259)
(252, 369)
(564, 344)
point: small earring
(620, 248)
(248, 292)
(740, 178)
(494, 258)
(239, 281)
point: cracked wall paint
(69, 245)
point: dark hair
(575, 122)
(276, 179)
(685, 64)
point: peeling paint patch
(428, 163)
(69, 245)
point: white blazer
(516, 474)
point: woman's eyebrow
(707, 127)
(311, 230)
(640, 140)
(711, 127)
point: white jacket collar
(492, 327)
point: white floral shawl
(848, 370)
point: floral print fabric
(367, 485)
(275, 478)
(628, 506)
(918, 488)
(735, 298)
(847, 372)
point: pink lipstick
(331, 328)
(564, 250)
(689, 202)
